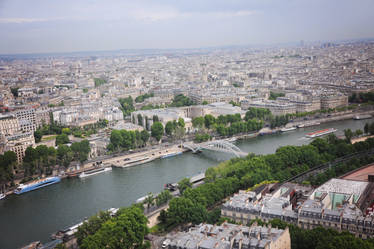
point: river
(37, 214)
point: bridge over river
(216, 145)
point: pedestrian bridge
(216, 145)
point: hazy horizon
(44, 26)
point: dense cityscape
(176, 137)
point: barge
(94, 172)
(23, 188)
(321, 133)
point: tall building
(9, 125)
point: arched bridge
(216, 145)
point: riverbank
(137, 158)
(67, 203)
(146, 156)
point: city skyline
(47, 27)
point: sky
(37, 26)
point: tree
(358, 132)
(6, 166)
(157, 130)
(198, 122)
(127, 105)
(209, 120)
(66, 131)
(144, 136)
(91, 226)
(181, 122)
(14, 91)
(184, 184)
(38, 136)
(62, 139)
(169, 128)
(140, 119)
(64, 154)
(163, 197)
(126, 231)
(149, 200)
(155, 118)
(348, 134)
(181, 100)
(116, 138)
(366, 128)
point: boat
(33, 245)
(2, 196)
(320, 133)
(23, 188)
(172, 154)
(308, 124)
(135, 162)
(288, 129)
(94, 172)
(360, 117)
(231, 140)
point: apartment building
(333, 101)
(9, 125)
(338, 204)
(18, 143)
(230, 236)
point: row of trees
(202, 137)
(143, 97)
(99, 82)
(124, 230)
(228, 125)
(181, 100)
(41, 159)
(126, 140)
(175, 128)
(242, 173)
(127, 105)
(274, 96)
(57, 129)
(8, 161)
(361, 97)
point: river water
(37, 214)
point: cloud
(21, 20)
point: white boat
(94, 172)
(308, 124)
(360, 117)
(172, 154)
(320, 133)
(288, 129)
(2, 196)
(231, 140)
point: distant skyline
(47, 26)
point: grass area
(48, 137)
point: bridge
(216, 145)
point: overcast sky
(33, 26)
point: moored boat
(320, 133)
(171, 154)
(308, 124)
(23, 188)
(360, 117)
(94, 172)
(288, 129)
